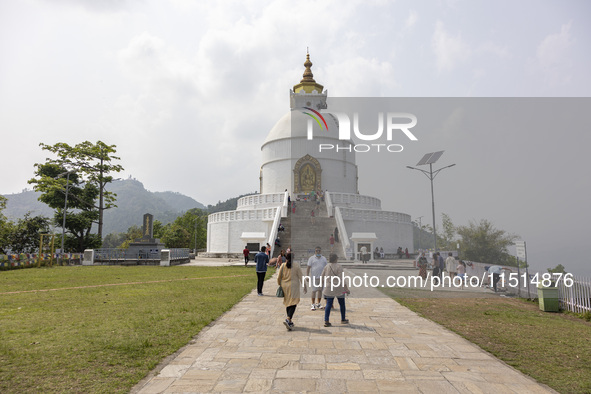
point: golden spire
(308, 84)
(308, 76)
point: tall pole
(431, 175)
(433, 206)
(195, 238)
(420, 230)
(526, 270)
(65, 207)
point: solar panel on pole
(434, 157)
(424, 159)
(430, 158)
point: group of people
(401, 253)
(438, 265)
(290, 278)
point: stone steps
(307, 233)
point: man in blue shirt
(262, 260)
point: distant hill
(133, 201)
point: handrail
(276, 221)
(344, 237)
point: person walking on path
(450, 263)
(336, 234)
(331, 240)
(290, 280)
(262, 260)
(334, 270)
(312, 215)
(363, 252)
(422, 264)
(435, 264)
(246, 253)
(316, 264)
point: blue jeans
(329, 302)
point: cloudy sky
(189, 90)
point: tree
(422, 236)
(92, 163)
(446, 239)
(24, 235)
(187, 228)
(81, 212)
(483, 243)
(559, 269)
(4, 226)
(176, 236)
(133, 233)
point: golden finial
(308, 76)
(308, 84)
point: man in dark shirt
(262, 260)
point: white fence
(575, 298)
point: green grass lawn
(102, 329)
(553, 348)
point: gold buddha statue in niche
(307, 178)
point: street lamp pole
(67, 173)
(420, 229)
(196, 219)
(431, 175)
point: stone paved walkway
(385, 348)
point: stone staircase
(305, 235)
(284, 236)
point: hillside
(133, 201)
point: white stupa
(293, 166)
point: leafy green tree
(4, 226)
(447, 238)
(194, 226)
(176, 236)
(422, 236)
(559, 269)
(81, 212)
(25, 234)
(92, 164)
(483, 243)
(133, 233)
(114, 240)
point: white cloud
(553, 56)
(449, 50)
(412, 19)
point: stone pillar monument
(147, 247)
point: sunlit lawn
(108, 334)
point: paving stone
(294, 385)
(331, 385)
(362, 386)
(258, 385)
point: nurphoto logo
(395, 123)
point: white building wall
(393, 229)
(277, 177)
(224, 229)
(224, 237)
(339, 172)
(390, 235)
